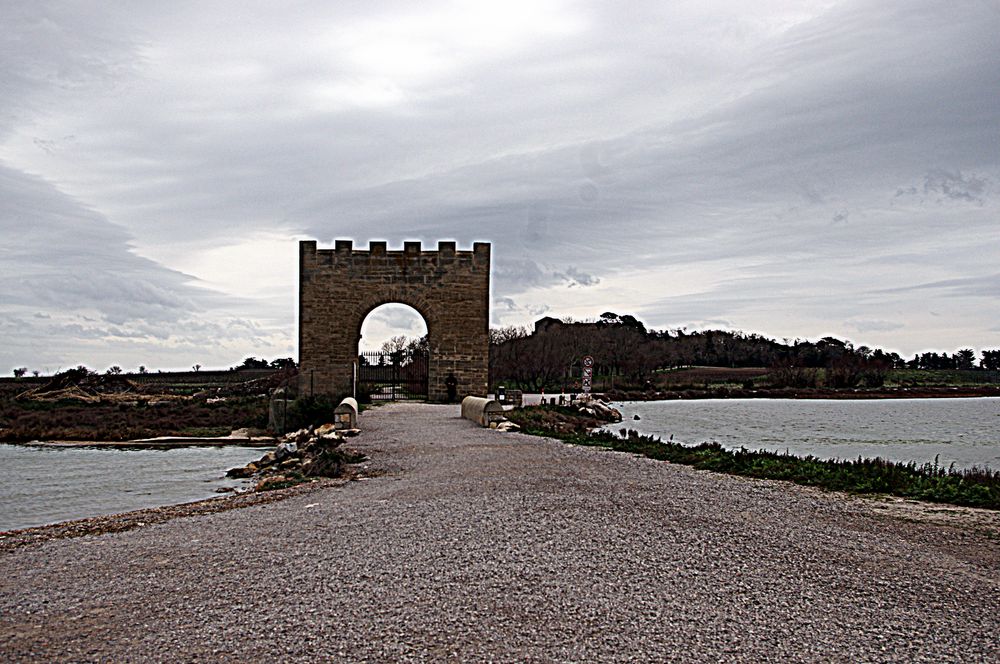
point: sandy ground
(470, 545)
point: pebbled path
(470, 545)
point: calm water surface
(46, 484)
(965, 432)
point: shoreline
(19, 538)
(859, 394)
(977, 487)
(161, 442)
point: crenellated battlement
(446, 253)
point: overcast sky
(793, 168)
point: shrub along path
(474, 545)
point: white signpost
(588, 373)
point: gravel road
(472, 545)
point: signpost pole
(588, 374)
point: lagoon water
(48, 484)
(965, 432)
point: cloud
(941, 186)
(873, 325)
(70, 278)
(785, 166)
(575, 277)
(985, 286)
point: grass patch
(976, 487)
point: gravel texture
(472, 545)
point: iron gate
(392, 376)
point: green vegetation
(974, 488)
(310, 411)
(941, 377)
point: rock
(300, 436)
(225, 489)
(507, 426)
(350, 433)
(288, 463)
(240, 433)
(324, 429)
(273, 482)
(267, 460)
(243, 471)
(636, 417)
(605, 411)
(285, 450)
(328, 442)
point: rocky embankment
(303, 454)
(577, 417)
(600, 410)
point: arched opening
(388, 323)
(393, 354)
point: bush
(310, 411)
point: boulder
(599, 409)
(285, 450)
(324, 429)
(300, 436)
(273, 482)
(242, 471)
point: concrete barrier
(345, 415)
(481, 410)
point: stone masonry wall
(339, 287)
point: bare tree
(396, 344)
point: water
(965, 432)
(47, 484)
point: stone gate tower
(339, 287)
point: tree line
(625, 352)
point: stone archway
(339, 287)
